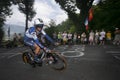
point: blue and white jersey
(31, 35)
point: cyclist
(31, 39)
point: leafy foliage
(4, 12)
(71, 6)
(66, 26)
(106, 15)
(26, 7)
(52, 28)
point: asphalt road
(84, 63)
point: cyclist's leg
(37, 49)
(37, 59)
(33, 44)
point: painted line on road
(8, 53)
(117, 57)
(2, 57)
(113, 52)
(72, 56)
(80, 49)
(14, 55)
(116, 54)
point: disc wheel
(59, 62)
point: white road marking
(117, 57)
(80, 49)
(116, 54)
(14, 55)
(77, 52)
(77, 55)
(2, 57)
(113, 52)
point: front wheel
(25, 57)
(28, 58)
(59, 62)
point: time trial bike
(52, 58)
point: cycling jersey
(30, 37)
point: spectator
(96, 37)
(75, 38)
(20, 41)
(108, 37)
(102, 37)
(55, 36)
(83, 38)
(65, 39)
(78, 39)
(15, 39)
(91, 37)
(69, 38)
(59, 37)
(117, 36)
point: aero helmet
(38, 23)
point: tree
(71, 6)
(106, 15)
(52, 28)
(66, 26)
(26, 7)
(4, 12)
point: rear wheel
(59, 62)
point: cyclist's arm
(37, 41)
(48, 38)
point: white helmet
(38, 23)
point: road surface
(84, 63)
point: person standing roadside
(91, 37)
(55, 36)
(108, 37)
(96, 37)
(83, 38)
(65, 37)
(117, 37)
(102, 37)
(69, 38)
(59, 37)
(75, 38)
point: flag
(89, 18)
(86, 23)
(8, 31)
(90, 14)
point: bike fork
(30, 56)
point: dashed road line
(112, 51)
(115, 54)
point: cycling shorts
(29, 43)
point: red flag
(90, 14)
(86, 23)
